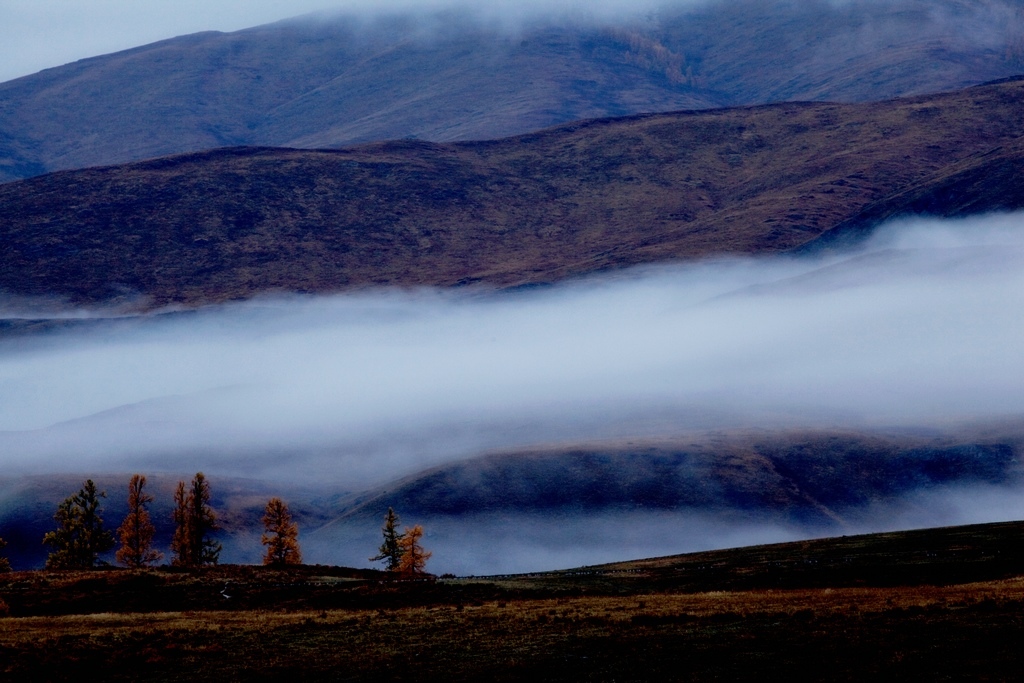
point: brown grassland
(583, 198)
(940, 633)
(939, 604)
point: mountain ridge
(340, 81)
(583, 197)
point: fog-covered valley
(914, 333)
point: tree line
(80, 537)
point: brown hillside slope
(826, 478)
(581, 198)
(315, 84)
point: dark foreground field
(938, 604)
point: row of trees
(80, 536)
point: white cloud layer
(921, 327)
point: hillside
(325, 82)
(585, 197)
(854, 608)
(815, 477)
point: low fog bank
(491, 544)
(922, 326)
(506, 544)
(488, 544)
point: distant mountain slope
(334, 82)
(813, 477)
(581, 198)
(811, 480)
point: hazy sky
(38, 34)
(924, 326)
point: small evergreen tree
(5, 565)
(194, 521)
(204, 522)
(390, 550)
(414, 557)
(136, 532)
(64, 538)
(282, 535)
(79, 537)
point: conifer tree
(204, 522)
(136, 532)
(64, 538)
(390, 550)
(79, 537)
(182, 534)
(414, 557)
(281, 537)
(5, 565)
(194, 521)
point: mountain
(584, 197)
(324, 82)
(817, 477)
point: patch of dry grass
(641, 637)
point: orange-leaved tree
(5, 565)
(414, 557)
(180, 541)
(282, 535)
(136, 532)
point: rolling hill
(815, 481)
(576, 199)
(813, 477)
(324, 82)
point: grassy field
(970, 630)
(905, 605)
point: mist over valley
(564, 286)
(896, 361)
